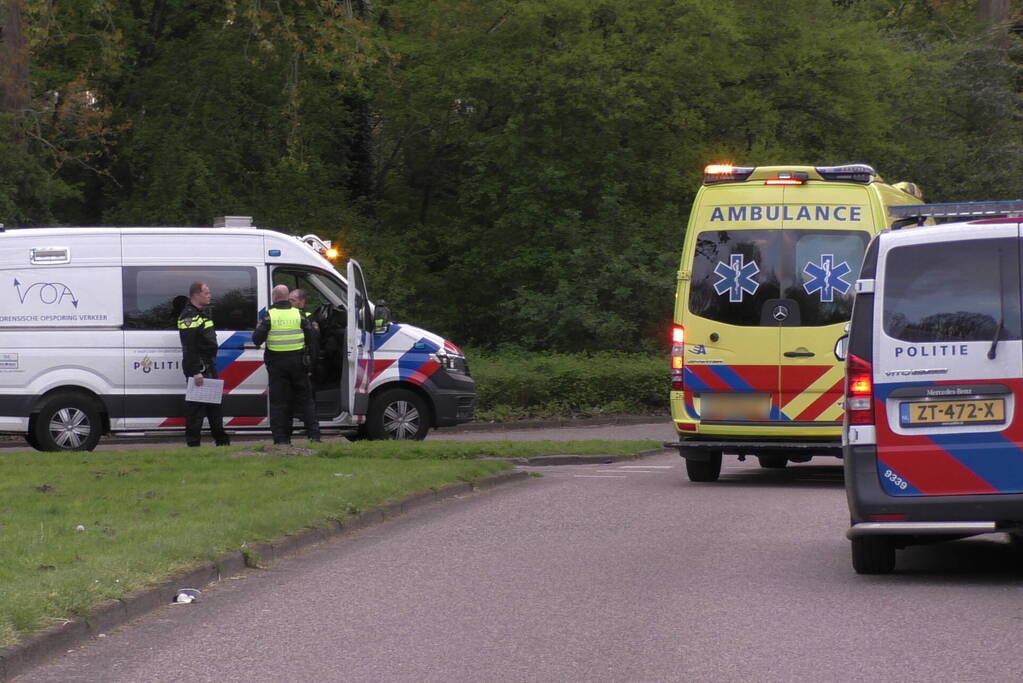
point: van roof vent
(232, 222)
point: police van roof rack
(920, 212)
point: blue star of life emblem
(736, 278)
(827, 278)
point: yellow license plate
(735, 406)
(938, 413)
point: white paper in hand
(211, 390)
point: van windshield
(735, 272)
(953, 291)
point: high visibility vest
(285, 330)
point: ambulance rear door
(827, 227)
(732, 342)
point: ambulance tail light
(859, 391)
(726, 173)
(678, 348)
(787, 178)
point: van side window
(953, 291)
(154, 295)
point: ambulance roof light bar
(726, 173)
(1013, 207)
(857, 173)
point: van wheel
(67, 422)
(398, 414)
(773, 462)
(704, 470)
(873, 555)
(30, 437)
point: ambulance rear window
(737, 272)
(953, 291)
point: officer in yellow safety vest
(287, 334)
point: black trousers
(194, 414)
(290, 393)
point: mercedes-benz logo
(780, 313)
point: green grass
(78, 529)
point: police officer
(297, 299)
(287, 335)
(198, 361)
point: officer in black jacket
(288, 336)
(198, 360)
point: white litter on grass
(187, 595)
(79, 528)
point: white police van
(933, 432)
(89, 342)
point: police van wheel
(67, 422)
(873, 555)
(398, 414)
(704, 470)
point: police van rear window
(736, 272)
(953, 291)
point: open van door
(360, 342)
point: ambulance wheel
(704, 470)
(873, 555)
(398, 414)
(67, 422)
(773, 462)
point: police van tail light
(678, 348)
(859, 391)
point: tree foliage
(513, 172)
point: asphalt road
(623, 572)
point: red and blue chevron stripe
(949, 464)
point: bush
(516, 385)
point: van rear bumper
(922, 528)
(752, 447)
(923, 515)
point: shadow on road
(987, 559)
(793, 476)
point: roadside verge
(49, 643)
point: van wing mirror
(381, 317)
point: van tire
(873, 555)
(773, 462)
(398, 414)
(67, 422)
(704, 470)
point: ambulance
(89, 343)
(764, 294)
(933, 437)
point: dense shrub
(519, 385)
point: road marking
(648, 467)
(630, 471)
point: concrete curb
(541, 460)
(559, 422)
(41, 647)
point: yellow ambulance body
(765, 290)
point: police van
(764, 292)
(933, 437)
(89, 342)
